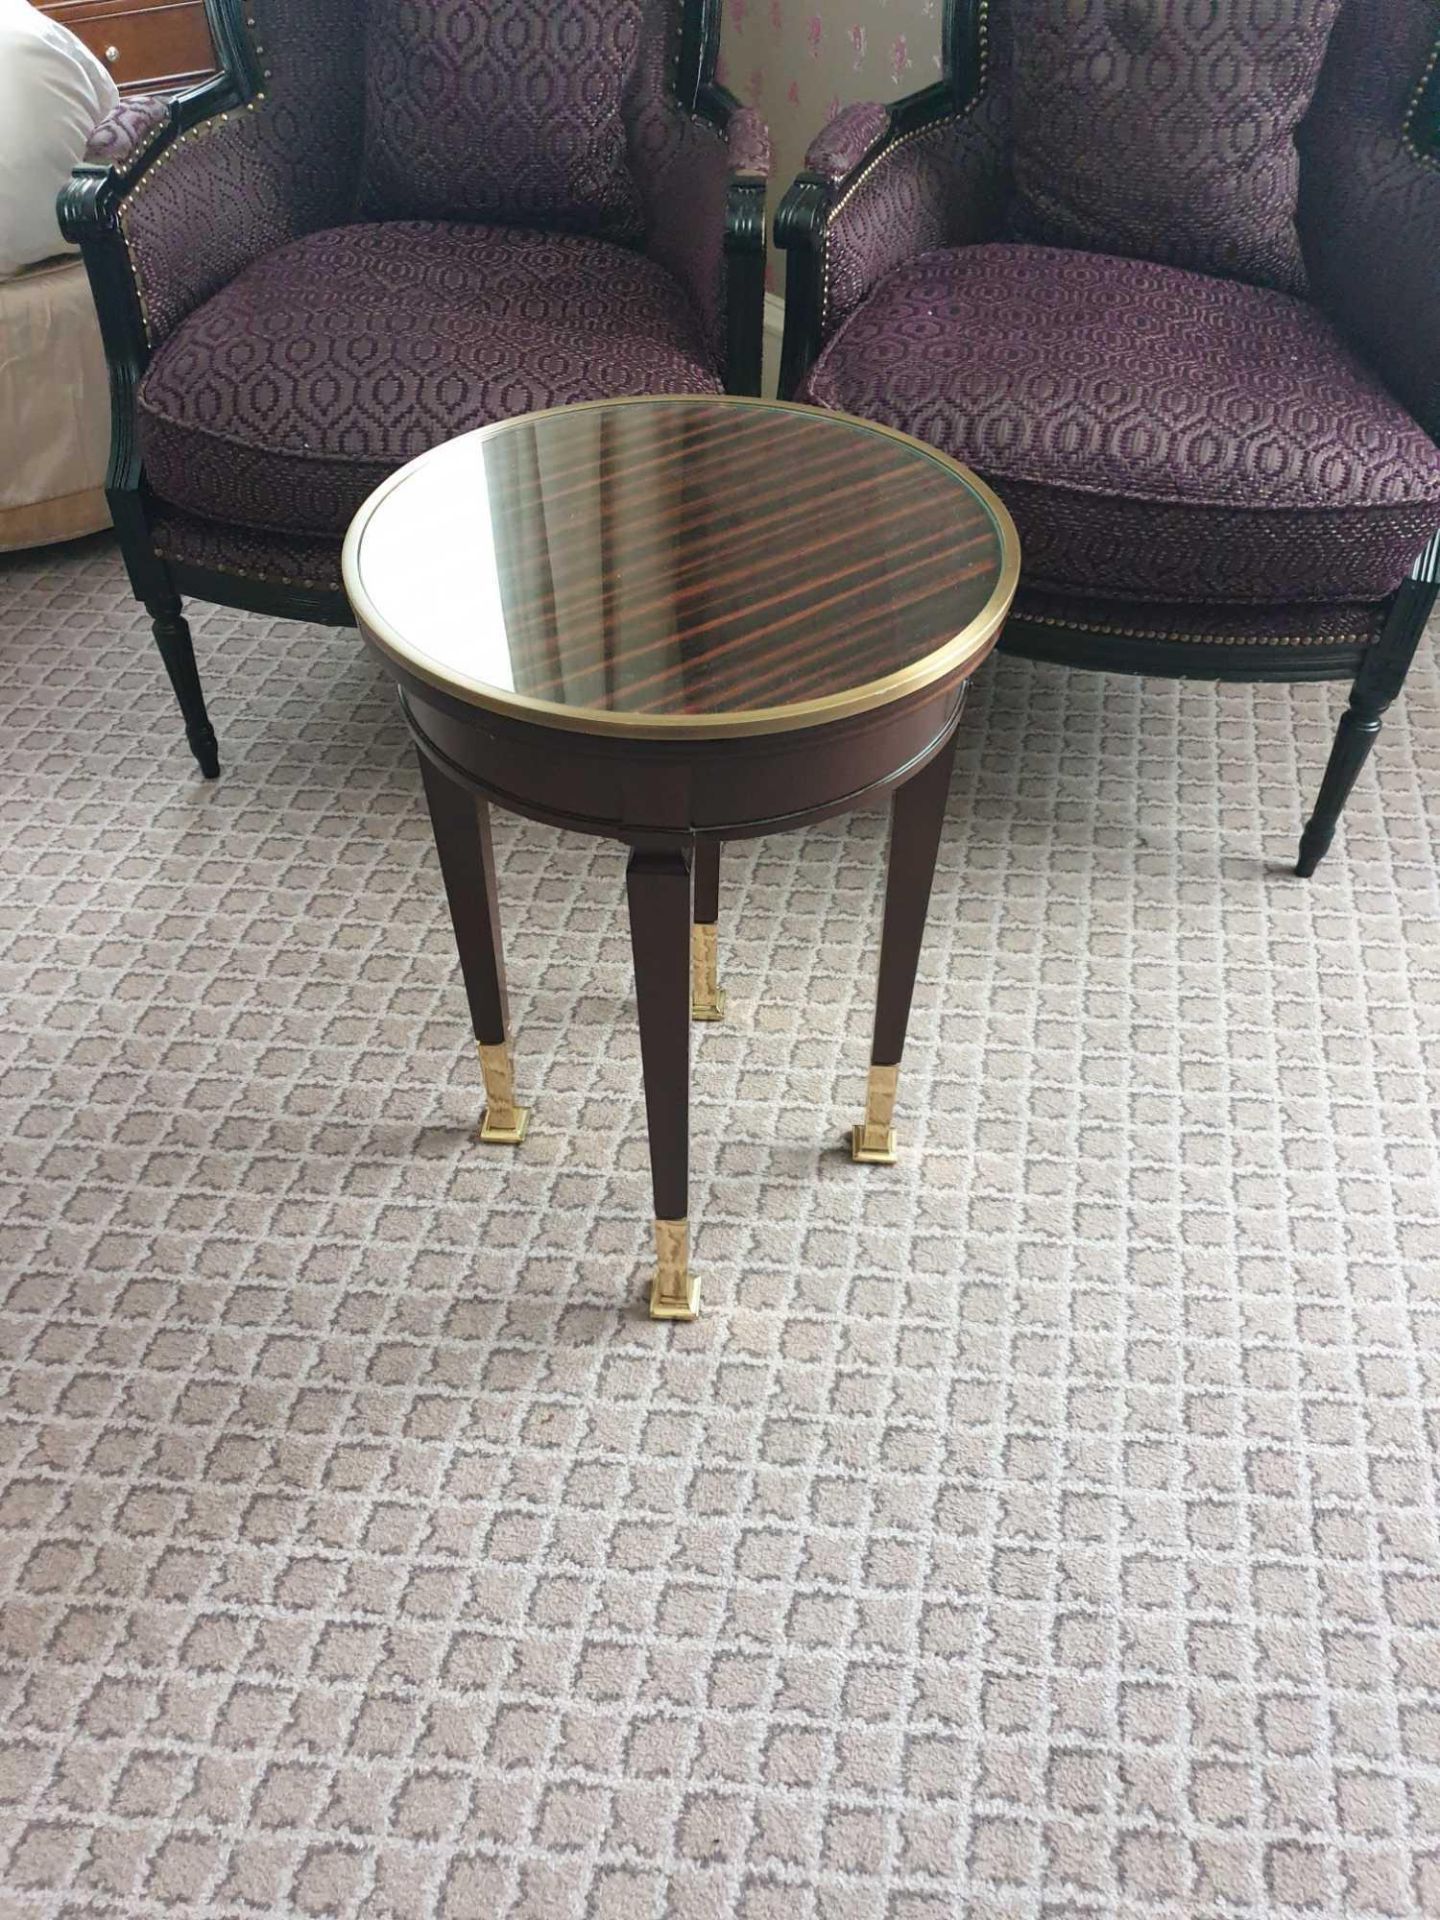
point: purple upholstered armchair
(1168, 277)
(384, 224)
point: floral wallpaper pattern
(800, 61)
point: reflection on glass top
(685, 558)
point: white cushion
(53, 94)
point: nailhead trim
(1197, 639)
(1430, 158)
(246, 573)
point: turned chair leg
(1360, 726)
(1377, 685)
(172, 636)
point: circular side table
(676, 622)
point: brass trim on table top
(971, 643)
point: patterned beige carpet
(1046, 1527)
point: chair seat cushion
(1155, 432)
(286, 398)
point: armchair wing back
(277, 164)
(1168, 276)
(1370, 192)
(374, 114)
(1314, 173)
(385, 223)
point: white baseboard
(774, 330)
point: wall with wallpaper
(799, 61)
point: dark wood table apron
(764, 627)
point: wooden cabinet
(151, 46)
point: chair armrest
(135, 132)
(747, 140)
(880, 185)
(1370, 194)
(127, 133)
(703, 184)
(848, 141)
(207, 195)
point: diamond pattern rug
(1046, 1526)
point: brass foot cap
(673, 1304)
(873, 1156)
(712, 1009)
(508, 1136)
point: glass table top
(689, 566)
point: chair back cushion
(1165, 129)
(504, 111)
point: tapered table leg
(461, 822)
(917, 817)
(707, 998)
(658, 885)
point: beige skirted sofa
(54, 390)
(54, 408)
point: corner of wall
(774, 331)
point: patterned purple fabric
(244, 182)
(282, 559)
(655, 123)
(1165, 129)
(941, 186)
(747, 141)
(292, 393)
(1154, 432)
(684, 169)
(847, 139)
(1341, 626)
(477, 111)
(683, 191)
(128, 132)
(1370, 195)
